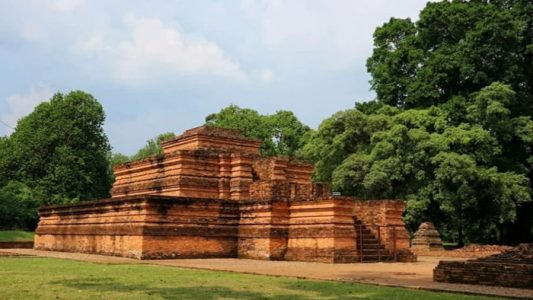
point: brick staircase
(368, 246)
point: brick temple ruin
(211, 194)
(426, 239)
(511, 268)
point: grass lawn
(16, 236)
(48, 278)
(449, 244)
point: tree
(282, 134)
(473, 59)
(286, 132)
(60, 150)
(454, 49)
(152, 148)
(449, 173)
(18, 206)
(4, 156)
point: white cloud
(154, 49)
(63, 6)
(267, 75)
(338, 33)
(20, 105)
(91, 45)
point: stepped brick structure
(426, 238)
(511, 268)
(211, 194)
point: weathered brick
(212, 195)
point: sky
(160, 66)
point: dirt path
(412, 275)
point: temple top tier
(215, 163)
(212, 138)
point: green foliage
(152, 148)
(16, 236)
(393, 62)
(118, 159)
(4, 160)
(60, 150)
(282, 134)
(474, 60)
(18, 207)
(454, 49)
(448, 173)
(344, 133)
(369, 107)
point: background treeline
(450, 131)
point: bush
(18, 207)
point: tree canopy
(153, 146)
(450, 130)
(449, 58)
(57, 154)
(282, 134)
(456, 175)
(454, 49)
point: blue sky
(159, 66)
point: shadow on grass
(342, 291)
(338, 291)
(102, 285)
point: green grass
(48, 278)
(16, 236)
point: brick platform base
(153, 227)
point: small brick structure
(426, 238)
(212, 195)
(511, 268)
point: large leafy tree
(449, 58)
(60, 150)
(454, 49)
(281, 133)
(456, 175)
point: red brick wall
(263, 229)
(171, 227)
(321, 230)
(141, 227)
(384, 213)
(472, 272)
